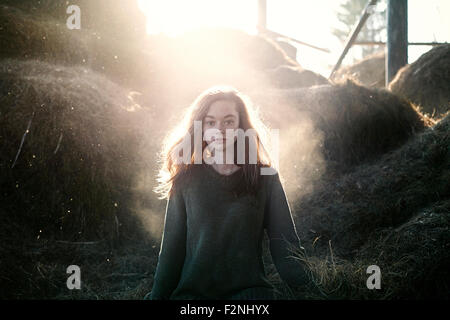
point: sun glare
(174, 17)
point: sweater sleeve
(173, 249)
(283, 235)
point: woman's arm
(282, 235)
(173, 249)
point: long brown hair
(170, 171)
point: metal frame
(396, 45)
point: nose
(222, 129)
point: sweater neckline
(215, 173)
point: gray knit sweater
(211, 246)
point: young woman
(217, 211)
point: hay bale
(34, 36)
(69, 150)
(359, 124)
(27, 35)
(369, 72)
(384, 194)
(426, 82)
(285, 77)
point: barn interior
(364, 149)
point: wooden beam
(381, 43)
(273, 34)
(354, 34)
(397, 37)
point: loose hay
(414, 261)
(383, 194)
(426, 82)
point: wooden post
(397, 37)
(262, 15)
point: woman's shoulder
(267, 176)
(268, 173)
(267, 170)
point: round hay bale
(70, 140)
(426, 82)
(359, 124)
(369, 72)
(285, 77)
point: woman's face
(222, 115)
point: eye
(229, 122)
(210, 123)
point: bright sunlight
(174, 17)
